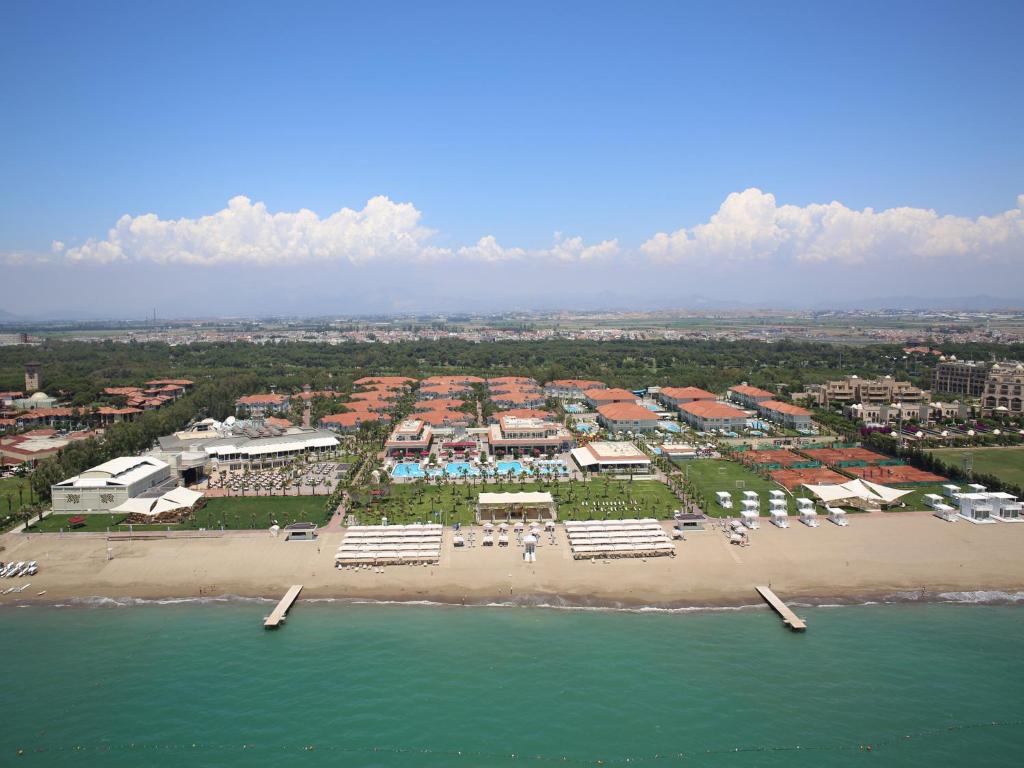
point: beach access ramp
(280, 612)
(789, 618)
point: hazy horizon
(356, 159)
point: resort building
(748, 396)
(622, 417)
(571, 389)
(621, 457)
(673, 397)
(49, 417)
(411, 436)
(530, 435)
(853, 389)
(883, 414)
(705, 416)
(445, 389)
(30, 448)
(786, 414)
(104, 487)
(444, 417)
(107, 415)
(240, 445)
(441, 402)
(385, 382)
(960, 377)
(604, 396)
(255, 406)
(1004, 389)
(522, 413)
(351, 421)
(35, 401)
(518, 398)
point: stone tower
(33, 378)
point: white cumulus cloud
(246, 232)
(749, 227)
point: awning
(861, 490)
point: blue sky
(611, 122)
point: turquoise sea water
(387, 685)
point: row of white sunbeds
(390, 545)
(618, 538)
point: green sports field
(711, 475)
(1005, 463)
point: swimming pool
(407, 469)
(586, 427)
(669, 426)
(461, 469)
(510, 468)
(575, 408)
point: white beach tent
(856, 490)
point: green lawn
(915, 500)
(10, 500)
(236, 512)
(409, 503)
(711, 475)
(259, 512)
(1005, 463)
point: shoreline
(988, 597)
(912, 557)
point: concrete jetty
(278, 615)
(789, 618)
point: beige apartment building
(1004, 389)
(854, 389)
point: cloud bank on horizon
(749, 227)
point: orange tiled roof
(681, 393)
(626, 412)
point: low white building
(110, 484)
(611, 457)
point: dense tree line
(82, 369)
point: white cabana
(526, 504)
(779, 517)
(837, 516)
(809, 517)
(749, 518)
(854, 491)
(724, 499)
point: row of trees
(83, 369)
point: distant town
(896, 327)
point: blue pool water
(407, 469)
(586, 427)
(461, 469)
(652, 407)
(757, 424)
(669, 426)
(506, 467)
(575, 408)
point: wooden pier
(789, 618)
(280, 613)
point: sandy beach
(875, 556)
